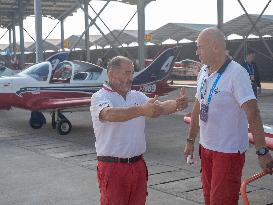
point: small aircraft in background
(59, 86)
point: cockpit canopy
(38, 71)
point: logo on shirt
(102, 104)
(216, 91)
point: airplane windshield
(38, 71)
(86, 71)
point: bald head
(211, 46)
(214, 37)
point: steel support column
(220, 14)
(38, 30)
(10, 37)
(245, 46)
(141, 32)
(13, 37)
(62, 34)
(86, 20)
(22, 42)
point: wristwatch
(262, 151)
(191, 140)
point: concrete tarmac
(40, 167)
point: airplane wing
(65, 103)
(179, 84)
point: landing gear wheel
(64, 127)
(35, 125)
(37, 120)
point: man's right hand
(189, 149)
(152, 108)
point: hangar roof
(241, 25)
(57, 9)
(126, 37)
(178, 31)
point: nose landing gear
(59, 121)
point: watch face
(262, 151)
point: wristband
(191, 140)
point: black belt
(117, 159)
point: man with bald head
(225, 104)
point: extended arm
(256, 127)
(120, 114)
(171, 106)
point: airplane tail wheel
(64, 127)
(37, 120)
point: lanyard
(212, 88)
(250, 69)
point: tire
(37, 120)
(64, 127)
(35, 125)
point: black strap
(117, 159)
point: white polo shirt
(226, 129)
(118, 139)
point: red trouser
(122, 183)
(221, 176)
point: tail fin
(153, 80)
(57, 58)
(158, 70)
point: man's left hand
(182, 100)
(266, 163)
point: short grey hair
(116, 62)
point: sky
(158, 13)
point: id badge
(204, 112)
(252, 77)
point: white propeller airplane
(58, 86)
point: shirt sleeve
(241, 86)
(98, 103)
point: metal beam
(220, 14)
(108, 50)
(257, 30)
(86, 20)
(10, 38)
(13, 36)
(38, 30)
(94, 23)
(112, 34)
(141, 33)
(247, 34)
(62, 34)
(22, 42)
